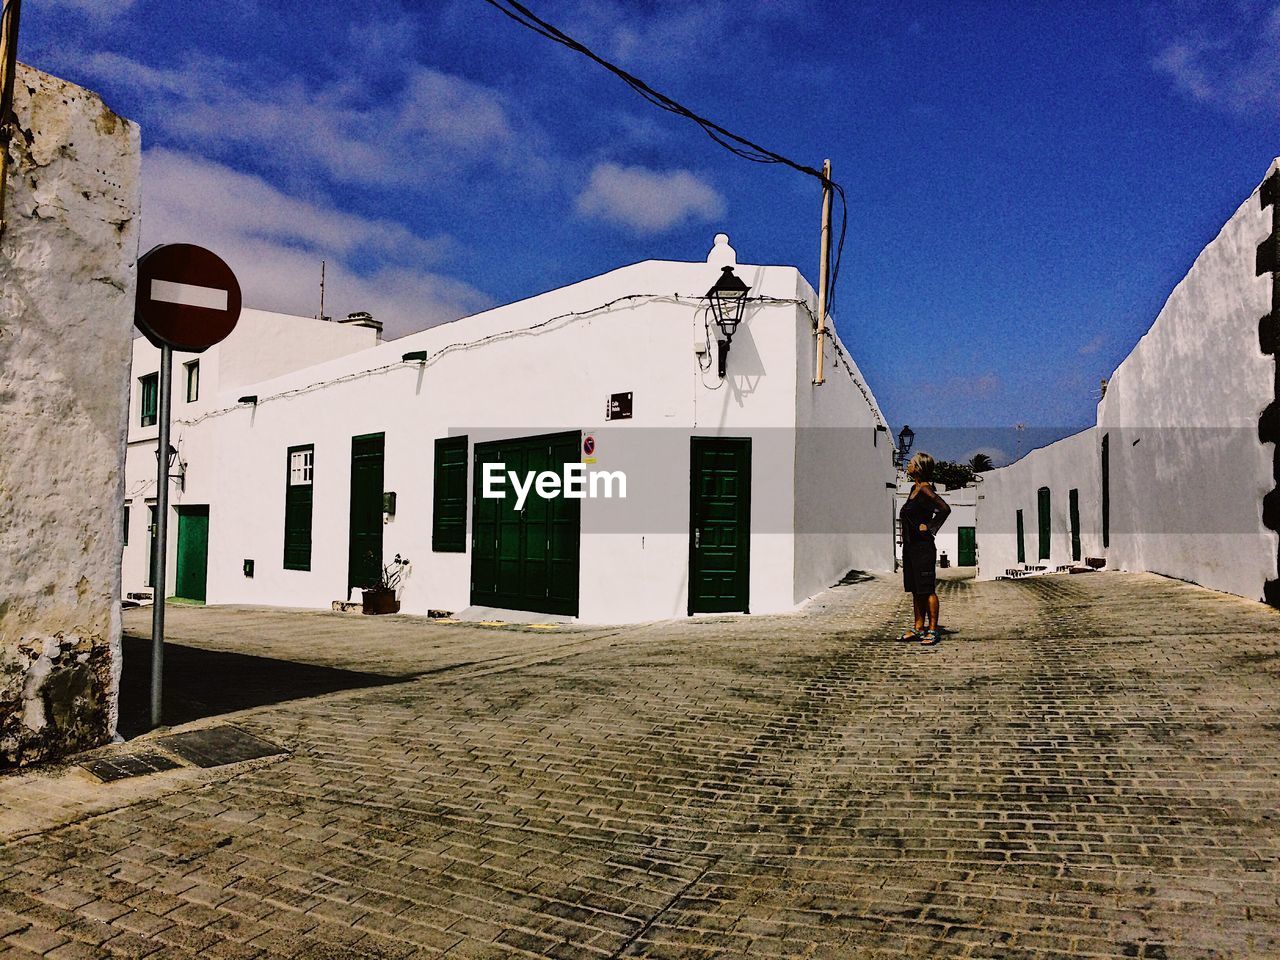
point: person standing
(922, 514)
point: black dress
(919, 553)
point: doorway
(719, 525)
(364, 556)
(192, 576)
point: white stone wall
(66, 316)
(1071, 463)
(1187, 470)
(844, 466)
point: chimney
(363, 318)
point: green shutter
(1042, 518)
(449, 498)
(1022, 545)
(150, 396)
(298, 478)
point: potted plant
(382, 598)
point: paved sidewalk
(1088, 767)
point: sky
(1027, 182)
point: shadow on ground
(206, 683)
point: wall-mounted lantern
(906, 436)
(181, 475)
(728, 298)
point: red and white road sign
(188, 298)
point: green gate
(191, 578)
(967, 548)
(526, 559)
(719, 524)
(364, 556)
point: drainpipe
(824, 264)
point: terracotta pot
(380, 600)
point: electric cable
(738, 145)
(566, 318)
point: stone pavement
(1086, 768)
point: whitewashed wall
(1187, 470)
(263, 345)
(1071, 463)
(843, 470)
(66, 314)
(520, 382)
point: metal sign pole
(161, 544)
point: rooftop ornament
(728, 299)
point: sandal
(915, 633)
(929, 638)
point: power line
(735, 144)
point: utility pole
(322, 316)
(824, 265)
(161, 544)
(8, 63)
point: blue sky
(1027, 182)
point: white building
(750, 493)
(1179, 474)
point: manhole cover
(129, 765)
(214, 746)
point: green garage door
(719, 524)
(192, 575)
(526, 559)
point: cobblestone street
(1087, 767)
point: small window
(150, 394)
(301, 463)
(449, 499)
(298, 508)
(193, 381)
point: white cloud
(275, 243)
(648, 201)
(1237, 68)
(432, 125)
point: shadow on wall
(207, 683)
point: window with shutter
(449, 499)
(297, 508)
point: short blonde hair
(921, 467)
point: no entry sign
(188, 298)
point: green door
(967, 547)
(1022, 540)
(526, 559)
(719, 524)
(193, 553)
(1074, 500)
(364, 557)
(1042, 520)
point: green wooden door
(1042, 521)
(526, 559)
(364, 558)
(967, 548)
(1022, 540)
(193, 553)
(719, 524)
(1074, 500)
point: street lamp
(181, 475)
(906, 436)
(728, 298)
